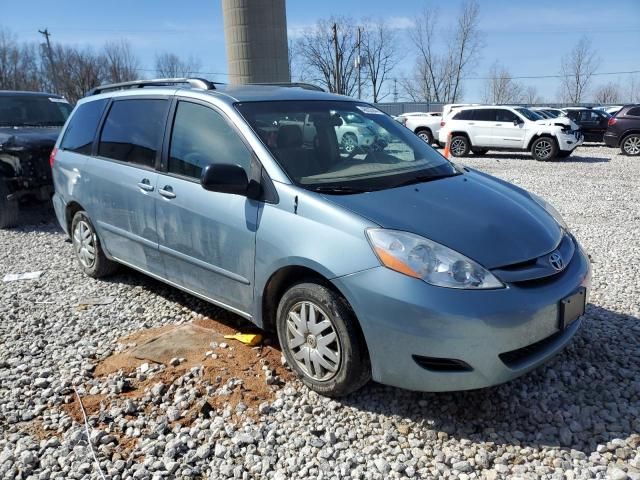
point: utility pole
(359, 63)
(395, 90)
(54, 76)
(335, 46)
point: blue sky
(529, 38)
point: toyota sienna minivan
(382, 261)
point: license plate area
(572, 307)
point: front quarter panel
(305, 230)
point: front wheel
(321, 341)
(87, 247)
(349, 142)
(631, 145)
(460, 146)
(544, 149)
(9, 209)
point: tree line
(345, 56)
(73, 71)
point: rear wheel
(460, 146)
(544, 149)
(321, 341)
(425, 135)
(631, 145)
(87, 248)
(9, 209)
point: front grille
(537, 271)
(515, 358)
(436, 364)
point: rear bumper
(611, 140)
(403, 318)
(60, 207)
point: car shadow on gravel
(37, 216)
(508, 156)
(587, 395)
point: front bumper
(402, 317)
(567, 142)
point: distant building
(256, 41)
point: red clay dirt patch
(191, 342)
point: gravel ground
(578, 416)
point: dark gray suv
(624, 130)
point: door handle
(145, 185)
(167, 192)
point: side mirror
(517, 122)
(225, 178)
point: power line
(514, 77)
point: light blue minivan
(368, 252)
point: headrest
(289, 136)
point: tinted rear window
(634, 112)
(33, 110)
(82, 128)
(485, 115)
(133, 131)
(464, 115)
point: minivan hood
(486, 219)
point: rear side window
(200, 137)
(634, 112)
(82, 128)
(485, 115)
(133, 131)
(464, 115)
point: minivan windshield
(33, 111)
(341, 147)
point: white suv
(483, 128)
(424, 124)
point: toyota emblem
(556, 261)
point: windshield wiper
(425, 178)
(338, 189)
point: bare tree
(501, 88)
(439, 75)
(170, 65)
(19, 64)
(381, 55)
(607, 94)
(329, 60)
(577, 68)
(77, 71)
(530, 95)
(122, 65)
(632, 92)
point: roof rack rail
(194, 82)
(306, 86)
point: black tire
(564, 153)
(630, 145)
(9, 209)
(479, 151)
(460, 146)
(544, 149)
(426, 135)
(349, 142)
(98, 266)
(352, 369)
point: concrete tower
(256, 36)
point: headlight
(550, 210)
(421, 258)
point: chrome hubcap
(84, 243)
(313, 342)
(457, 147)
(543, 149)
(632, 145)
(349, 143)
(424, 136)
